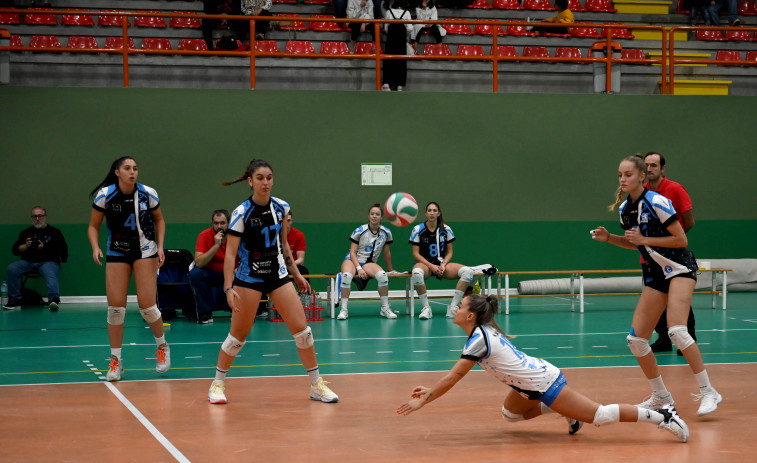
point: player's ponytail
(641, 166)
(485, 308)
(254, 165)
(111, 178)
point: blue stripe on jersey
(144, 190)
(471, 339)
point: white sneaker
(320, 391)
(385, 88)
(400, 88)
(451, 312)
(425, 313)
(655, 401)
(163, 363)
(388, 313)
(343, 314)
(574, 425)
(115, 369)
(710, 400)
(216, 394)
(674, 423)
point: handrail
(378, 56)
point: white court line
(146, 423)
(420, 351)
(383, 352)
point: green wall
(520, 178)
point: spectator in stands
(42, 249)
(256, 8)
(677, 195)
(358, 9)
(425, 12)
(731, 5)
(564, 16)
(395, 70)
(297, 245)
(209, 25)
(699, 6)
(207, 275)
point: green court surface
(42, 347)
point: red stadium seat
(586, 32)
(543, 5)
(300, 47)
(109, 20)
(82, 42)
(600, 6)
(728, 55)
(710, 35)
(193, 44)
(118, 42)
(485, 29)
(365, 48)
(575, 5)
(456, 28)
(149, 21)
(155, 43)
(568, 52)
(267, 46)
(294, 26)
(190, 23)
(10, 18)
(632, 53)
(45, 19)
(748, 8)
(506, 4)
(323, 25)
(16, 41)
(77, 19)
(536, 52)
(740, 36)
(44, 41)
(483, 4)
(437, 49)
(334, 48)
(470, 50)
(506, 50)
(519, 30)
(621, 33)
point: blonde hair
(641, 166)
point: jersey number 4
(131, 222)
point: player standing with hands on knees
(136, 231)
(258, 234)
(669, 271)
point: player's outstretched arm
(423, 395)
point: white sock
(456, 299)
(220, 374)
(424, 299)
(703, 379)
(545, 409)
(314, 374)
(385, 302)
(658, 387)
(344, 303)
(650, 416)
(161, 340)
(116, 351)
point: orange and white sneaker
(163, 354)
(216, 394)
(115, 369)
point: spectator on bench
(207, 275)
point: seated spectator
(358, 9)
(42, 249)
(699, 6)
(207, 275)
(733, 8)
(564, 16)
(427, 11)
(255, 8)
(297, 245)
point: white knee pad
(150, 314)
(116, 315)
(607, 414)
(232, 345)
(639, 346)
(680, 336)
(465, 274)
(511, 417)
(382, 279)
(417, 277)
(304, 339)
(346, 280)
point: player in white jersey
(432, 250)
(366, 244)
(652, 227)
(537, 386)
(136, 231)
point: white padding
(680, 336)
(232, 345)
(346, 280)
(607, 414)
(150, 314)
(116, 315)
(639, 346)
(465, 274)
(417, 278)
(304, 339)
(382, 279)
(511, 417)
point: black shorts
(129, 258)
(263, 287)
(655, 279)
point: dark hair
(662, 158)
(561, 4)
(440, 219)
(111, 178)
(254, 165)
(223, 212)
(638, 161)
(484, 308)
(381, 209)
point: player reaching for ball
(538, 387)
(432, 250)
(366, 244)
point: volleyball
(401, 209)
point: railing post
(495, 53)
(671, 61)
(125, 48)
(252, 54)
(663, 65)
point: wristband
(228, 289)
(359, 268)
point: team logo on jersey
(115, 207)
(143, 205)
(256, 222)
(644, 218)
(282, 270)
(279, 215)
(668, 269)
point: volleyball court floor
(56, 406)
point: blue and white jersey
(497, 355)
(261, 255)
(131, 229)
(652, 213)
(369, 244)
(432, 244)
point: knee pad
(680, 336)
(639, 346)
(417, 278)
(511, 417)
(607, 414)
(382, 279)
(232, 345)
(465, 274)
(116, 315)
(304, 339)
(150, 314)
(346, 280)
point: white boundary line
(146, 423)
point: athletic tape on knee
(116, 315)
(304, 339)
(417, 278)
(607, 414)
(639, 346)
(150, 314)
(680, 336)
(511, 417)
(382, 279)
(465, 274)
(346, 280)
(232, 345)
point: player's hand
(442, 268)
(635, 237)
(97, 254)
(161, 257)
(600, 234)
(232, 298)
(410, 406)
(302, 284)
(219, 237)
(420, 391)
(361, 273)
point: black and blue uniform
(432, 245)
